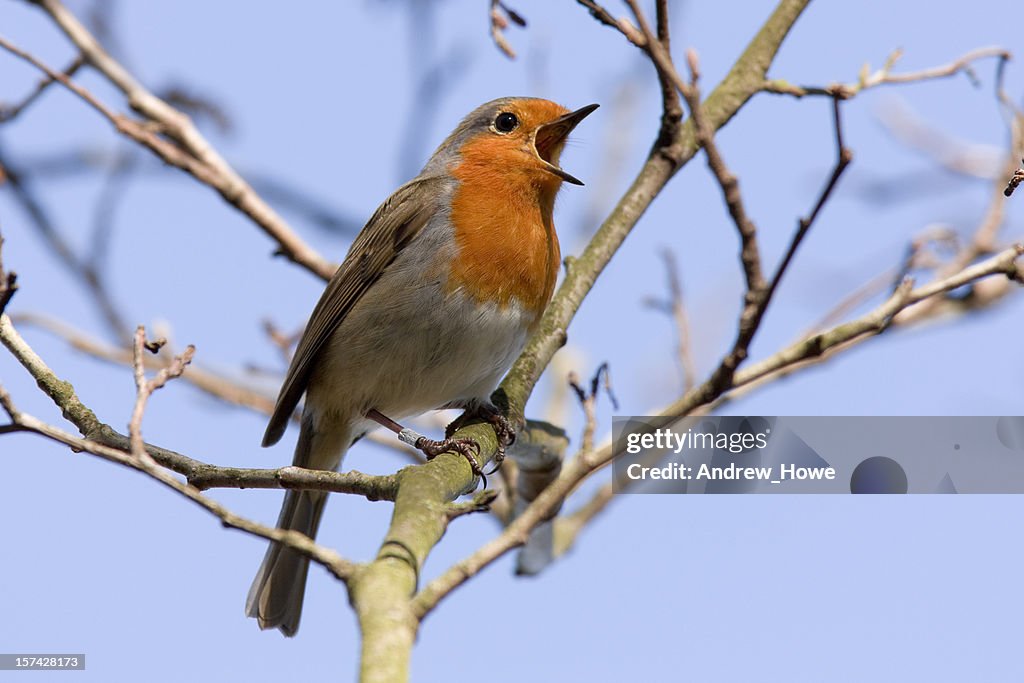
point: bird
(432, 304)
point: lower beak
(555, 132)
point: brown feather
(393, 225)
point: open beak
(551, 135)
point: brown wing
(395, 223)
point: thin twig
(675, 308)
(915, 254)
(9, 113)
(588, 402)
(884, 76)
(622, 25)
(8, 281)
(481, 502)
(672, 109)
(282, 340)
(144, 388)
(750, 256)
(843, 158)
(1016, 179)
(501, 16)
(657, 47)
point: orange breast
(501, 213)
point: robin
(431, 306)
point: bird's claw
(503, 430)
(467, 448)
(506, 435)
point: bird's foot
(506, 434)
(503, 429)
(467, 448)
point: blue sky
(731, 588)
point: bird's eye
(506, 122)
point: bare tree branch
(759, 293)
(224, 387)
(189, 151)
(199, 474)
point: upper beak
(554, 132)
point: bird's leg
(468, 448)
(503, 429)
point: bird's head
(523, 134)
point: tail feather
(275, 597)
